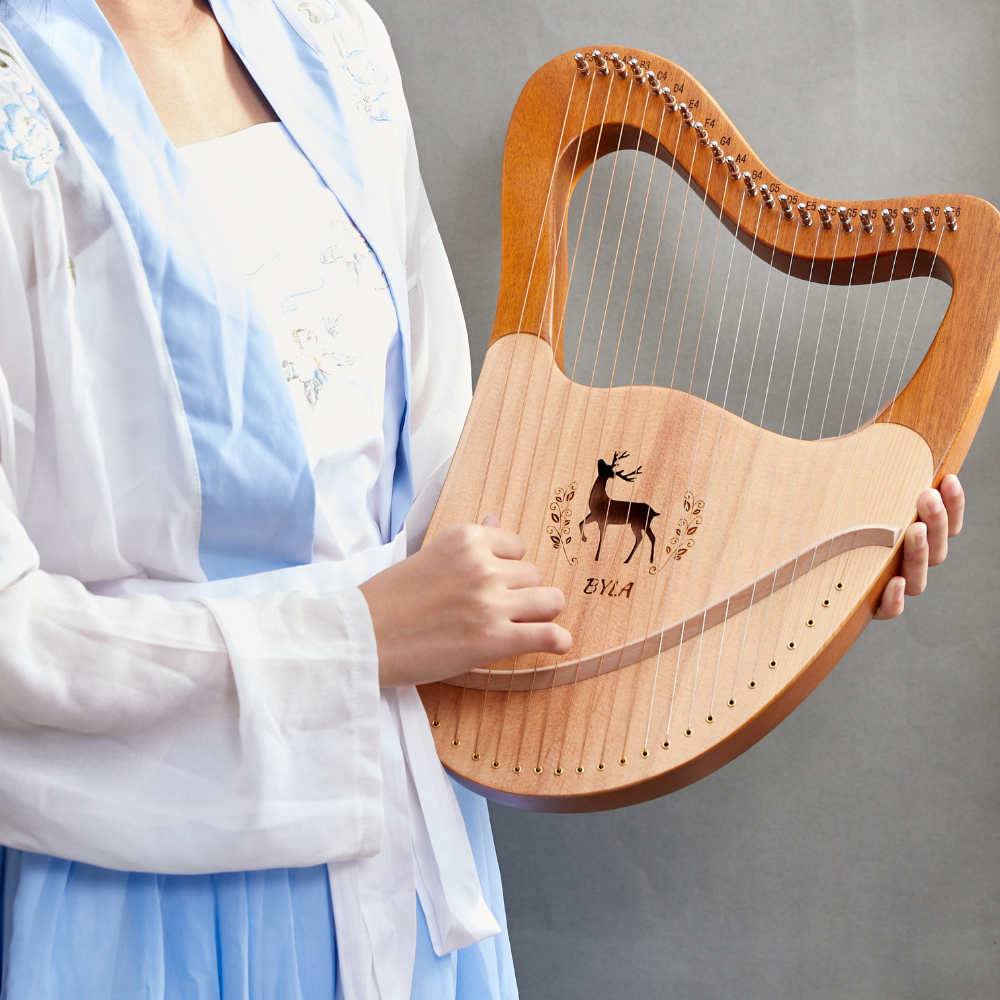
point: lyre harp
(715, 571)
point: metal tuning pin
(619, 64)
(786, 207)
(654, 84)
(600, 62)
(804, 217)
(581, 64)
(686, 115)
(845, 219)
(890, 226)
(717, 153)
(750, 184)
(824, 217)
(702, 133)
(909, 224)
(638, 77)
(670, 99)
(950, 218)
(929, 224)
(765, 193)
(866, 221)
(734, 171)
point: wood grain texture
(727, 509)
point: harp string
(781, 442)
(798, 450)
(489, 461)
(701, 424)
(560, 328)
(884, 478)
(841, 564)
(632, 274)
(572, 697)
(597, 353)
(663, 215)
(707, 388)
(767, 396)
(743, 520)
(718, 438)
(551, 372)
(622, 538)
(826, 406)
(554, 260)
(555, 348)
(753, 466)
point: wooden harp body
(714, 571)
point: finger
(516, 574)
(537, 638)
(503, 543)
(954, 502)
(491, 521)
(535, 604)
(932, 512)
(915, 553)
(892, 600)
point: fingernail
(952, 485)
(934, 505)
(920, 537)
(900, 588)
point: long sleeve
(147, 734)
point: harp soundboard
(717, 560)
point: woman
(235, 370)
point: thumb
(491, 521)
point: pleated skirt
(71, 931)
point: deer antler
(629, 476)
(618, 457)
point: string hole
(622, 761)
(826, 602)
(645, 753)
(538, 770)
(710, 718)
(731, 703)
(456, 743)
(436, 723)
(840, 586)
(665, 744)
(687, 732)
(811, 622)
(752, 684)
(475, 756)
(773, 664)
(579, 768)
(557, 771)
(495, 764)
(517, 768)
(600, 767)
(791, 644)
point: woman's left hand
(925, 543)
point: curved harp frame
(558, 129)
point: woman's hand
(465, 600)
(925, 543)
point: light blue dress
(70, 930)
(74, 931)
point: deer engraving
(604, 510)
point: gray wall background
(854, 852)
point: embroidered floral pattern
(316, 14)
(26, 134)
(368, 84)
(316, 359)
(350, 247)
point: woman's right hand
(465, 600)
